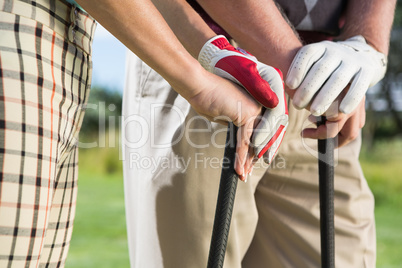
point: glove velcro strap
(359, 43)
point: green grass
(382, 167)
(389, 236)
(99, 236)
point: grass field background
(99, 237)
(382, 167)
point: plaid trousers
(45, 74)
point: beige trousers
(171, 175)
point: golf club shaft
(326, 191)
(224, 205)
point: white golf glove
(263, 82)
(321, 71)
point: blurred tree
(398, 14)
(384, 102)
(102, 111)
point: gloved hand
(269, 133)
(321, 71)
(221, 58)
(263, 82)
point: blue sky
(108, 58)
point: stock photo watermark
(135, 135)
(181, 164)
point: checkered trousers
(45, 74)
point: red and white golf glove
(269, 133)
(321, 71)
(263, 82)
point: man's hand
(221, 100)
(345, 127)
(320, 72)
(264, 83)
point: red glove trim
(222, 43)
(273, 139)
(250, 80)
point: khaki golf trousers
(172, 164)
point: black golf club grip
(224, 205)
(326, 192)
